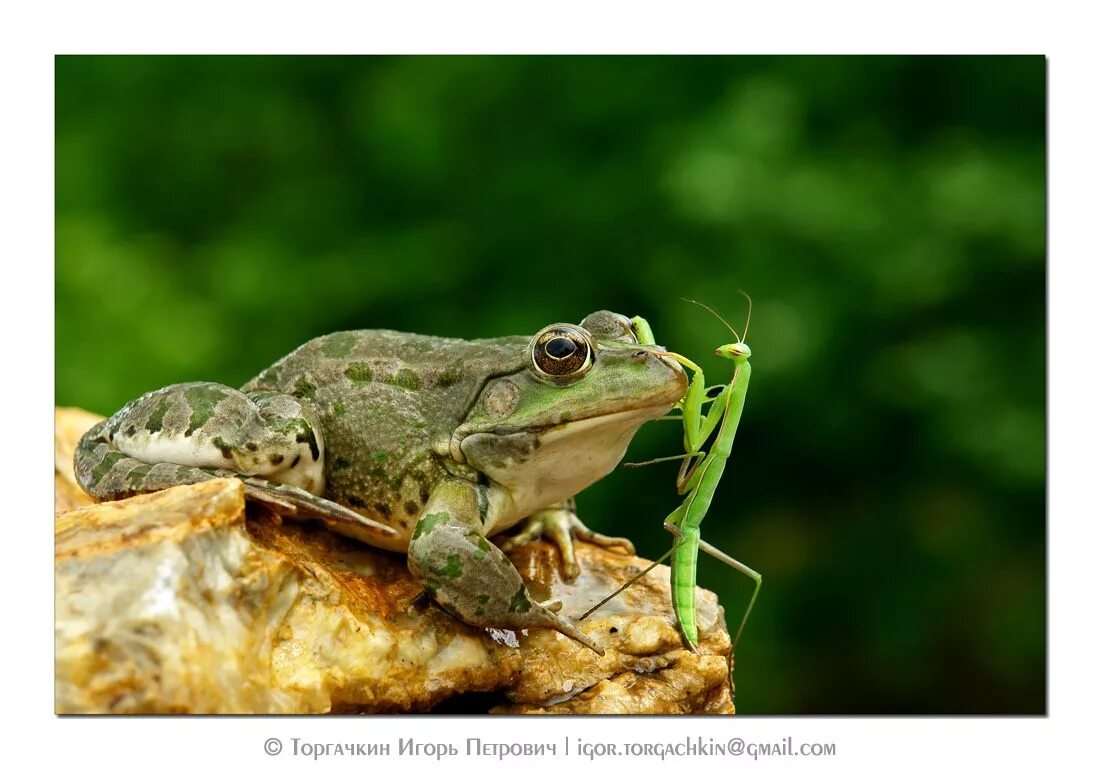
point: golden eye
(559, 352)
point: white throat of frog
(539, 468)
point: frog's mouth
(638, 414)
(627, 410)
(460, 440)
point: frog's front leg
(559, 524)
(470, 577)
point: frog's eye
(561, 352)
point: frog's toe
(551, 619)
(298, 503)
(272, 502)
(560, 532)
(604, 541)
(531, 531)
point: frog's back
(384, 400)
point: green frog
(415, 444)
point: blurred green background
(886, 214)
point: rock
(177, 602)
(68, 426)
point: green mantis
(700, 473)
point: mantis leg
(688, 477)
(728, 560)
(643, 331)
(656, 460)
(683, 591)
(675, 516)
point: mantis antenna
(715, 313)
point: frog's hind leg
(470, 577)
(560, 525)
(106, 473)
(185, 434)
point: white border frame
(34, 33)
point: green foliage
(886, 214)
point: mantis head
(735, 351)
(739, 351)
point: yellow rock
(68, 426)
(176, 602)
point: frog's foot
(563, 626)
(471, 578)
(560, 525)
(292, 502)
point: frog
(421, 445)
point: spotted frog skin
(415, 444)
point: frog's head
(565, 420)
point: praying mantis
(700, 473)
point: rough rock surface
(176, 602)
